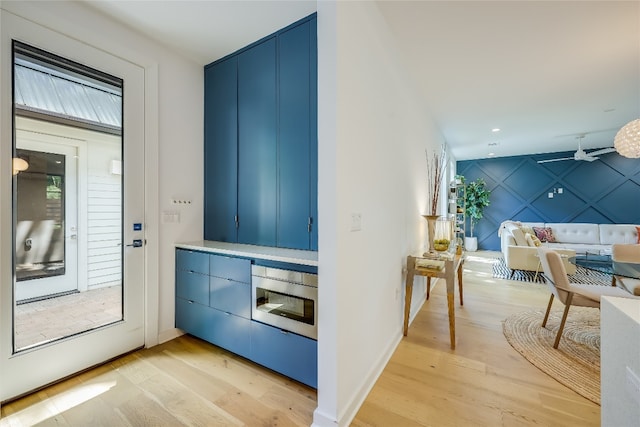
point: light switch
(170, 217)
(356, 222)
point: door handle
(137, 243)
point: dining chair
(626, 253)
(576, 294)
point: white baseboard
(169, 335)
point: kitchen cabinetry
(261, 161)
(213, 299)
(213, 302)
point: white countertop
(293, 256)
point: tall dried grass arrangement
(435, 169)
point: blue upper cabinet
(266, 194)
(220, 151)
(294, 144)
(257, 149)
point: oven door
(286, 305)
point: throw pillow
(526, 229)
(545, 234)
(518, 236)
(532, 240)
(638, 235)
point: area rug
(576, 361)
(582, 275)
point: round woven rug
(576, 362)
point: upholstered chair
(626, 253)
(569, 294)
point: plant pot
(471, 244)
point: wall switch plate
(356, 222)
(551, 195)
(170, 217)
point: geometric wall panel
(604, 191)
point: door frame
(28, 30)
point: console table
(452, 266)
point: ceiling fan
(581, 154)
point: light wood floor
(186, 381)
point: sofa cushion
(518, 235)
(545, 234)
(618, 233)
(575, 233)
(532, 240)
(582, 248)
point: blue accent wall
(606, 191)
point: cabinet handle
(190, 301)
(283, 332)
(235, 219)
(309, 222)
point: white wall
(174, 137)
(373, 131)
(620, 362)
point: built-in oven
(285, 299)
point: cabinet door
(192, 286)
(313, 131)
(294, 155)
(221, 151)
(194, 318)
(197, 262)
(292, 355)
(257, 190)
(230, 296)
(230, 332)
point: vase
(431, 228)
(442, 238)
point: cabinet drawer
(193, 318)
(192, 261)
(292, 355)
(192, 286)
(230, 296)
(230, 268)
(230, 332)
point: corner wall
(373, 131)
(594, 192)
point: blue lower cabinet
(230, 332)
(193, 318)
(192, 261)
(292, 355)
(192, 286)
(230, 296)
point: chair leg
(546, 315)
(564, 319)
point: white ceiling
(543, 72)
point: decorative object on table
(627, 140)
(435, 167)
(442, 235)
(576, 364)
(476, 199)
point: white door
(26, 370)
(46, 257)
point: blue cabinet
(292, 355)
(296, 89)
(266, 194)
(220, 151)
(213, 302)
(257, 191)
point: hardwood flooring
(483, 382)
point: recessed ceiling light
(492, 154)
(495, 130)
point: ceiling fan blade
(555, 160)
(602, 151)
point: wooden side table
(451, 267)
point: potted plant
(476, 199)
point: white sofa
(571, 239)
